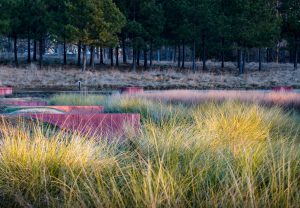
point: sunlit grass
(210, 155)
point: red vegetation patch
(132, 90)
(283, 89)
(191, 97)
(97, 124)
(6, 91)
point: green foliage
(4, 18)
(291, 24)
(291, 16)
(252, 23)
(11, 23)
(267, 24)
(85, 17)
(176, 25)
(91, 22)
(152, 19)
(145, 21)
(61, 28)
(146, 24)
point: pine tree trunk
(179, 56)
(174, 55)
(97, 51)
(34, 50)
(167, 50)
(151, 53)
(259, 59)
(134, 59)
(65, 52)
(111, 57)
(92, 58)
(222, 55)
(296, 55)
(41, 53)
(145, 59)
(117, 56)
(238, 58)
(240, 61)
(203, 52)
(28, 50)
(277, 53)
(194, 56)
(10, 47)
(84, 58)
(298, 58)
(79, 54)
(101, 56)
(291, 52)
(183, 54)
(16, 51)
(138, 57)
(124, 49)
(244, 60)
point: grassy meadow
(213, 153)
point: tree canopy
(207, 27)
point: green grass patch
(77, 99)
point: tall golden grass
(227, 154)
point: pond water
(46, 94)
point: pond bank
(57, 78)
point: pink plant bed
(24, 103)
(106, 125)
(132, 90)
(6, 91)
(282, 89)
(190, 97)
(78, 109)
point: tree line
(210, 28)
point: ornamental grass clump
(239, 125)
(149, 110)
(210, 155)
(182, 164)
(41, 170)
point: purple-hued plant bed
(107, 125)
(6, 91)
(132, 90)
(191, 97)
(283, 89)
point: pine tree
(291, 25)
(94, 22)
